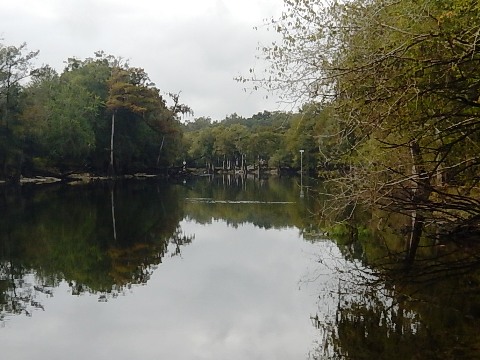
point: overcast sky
(196, 47)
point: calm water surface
(210, 269)
(156, 271)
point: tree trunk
(415, 235)
(258, 169)
(114, 224)
(111, 167)
(160, 150)
(420, 195)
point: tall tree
(134, 97)
(15, 66)
(60, 116)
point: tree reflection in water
(100, 239)
(103, 239)
(387, 311)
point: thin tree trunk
(415, 235)
(114, 225)
(111, 168)
(258, 169)
(420, 195)
(160, 150)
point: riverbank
(78, 178)
(174, 172)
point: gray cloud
(189, 46)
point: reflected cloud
(233, 294)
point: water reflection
(213, 268)
(379, 324)
(233, 292)
(84, 237)
(431, 311)
(267, 203)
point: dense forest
(267, 140)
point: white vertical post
(301, 173)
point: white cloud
(192, 46)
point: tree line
(99, 114)
(266, 140)
(103, 116)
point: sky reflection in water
(234, 293)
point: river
(211, 268)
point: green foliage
(201, 144)
(65, 132)
(15, 66)
(301, 136)
(198, 124)
(273, 138)
(398, 83)
(63, 122)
